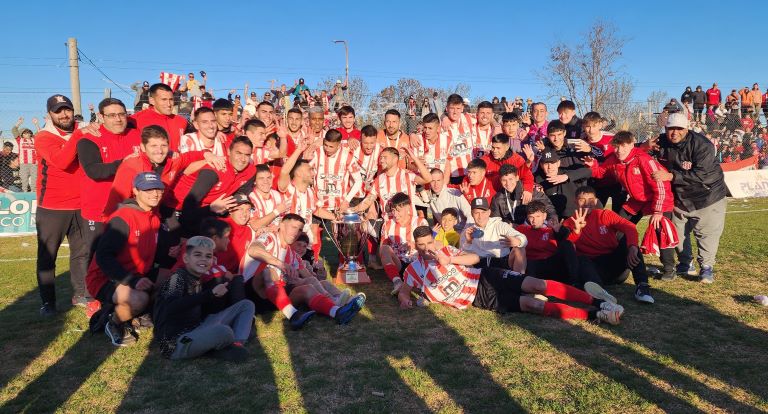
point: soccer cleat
(597, 292)
(345, 313)
(115, 332)
(299, 319)
(613, 316)
(643, 293)
(685, 269)
(343, 297)
(144, 322)
(48, 310)
(707, 274)
(610, 307)
(396, 285)
(232, 353)
(360, 299)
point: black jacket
(571, 163)
(573, 128)
(687, 96)
(702, 183)
(562, 196)
(503, 201)
(699, 99)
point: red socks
(392, 271)
(318, 242)
(276, 294)
(563, 311)
(321, 304)
(567, 292)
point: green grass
(698, 349)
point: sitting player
(446, 233)
(316, 268)
(509, 203)
(397, 247)
(275, 270)
(181, 327)
(446, 276)
(497, 243)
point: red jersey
(239, 239)
(57, 168)
(451, 285)
(713, 96)
(493, 165)
(598, 237)
(229, 182)
(94, 194)
(170, 172)
(484, 189)
(646, 195)
(346, 135)
(602, 148)
(541, 242)
(138, 254)
(174, 125)
(25, 147)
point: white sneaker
(597, 292)
(613, 316)
(397, 283)
(608, 306)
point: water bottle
(762, 299)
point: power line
(80, 52)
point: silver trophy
(350, 238)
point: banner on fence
(746, 164)
(751, 183)
(17, 213)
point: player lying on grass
(446, 276)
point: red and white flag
(171, 79)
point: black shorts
(499, 290)
(496, 262)
(107, 292)
(261, 305)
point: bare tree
(395, 96)
(357, 90)
(589, 72)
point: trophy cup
(350, 238)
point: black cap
(57, 102)
(549, 155)
(8, 144)
(146, 84)
(481, 203)
(241, 199)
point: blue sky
(495, 47)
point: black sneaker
(144, 321)
(122, 334)
(48, 310)
(668, 275)
(233, 353)
(299, 319)
(643, 293)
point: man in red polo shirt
(161, 113)
(475, 185)
(346, 116)
(58, 203)
(713, 97)
(502, 154)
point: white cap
(338, 80)
(677, 120)
(466, 100)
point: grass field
(700, 348)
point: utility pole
(107, 93)
(346, 57)
(74, 74)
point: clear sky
(495, 47)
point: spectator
(300, 90)
(25, 147)
(425, 109)
(757, 100)
(713, 96)
(699, 187)
(746, 101)
(699, 100)
(9, 164)
(687, 95)
(436, 105)
(193, 85)
(142, 96)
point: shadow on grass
(689, 333)
(24, 334)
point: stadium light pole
(346, 59)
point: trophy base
(354, 277)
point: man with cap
(161, 113)
(142, 95)
(699, 187)
(562, 194)
(58, 202)
(497, 243)
(119, 274)
(9, 162)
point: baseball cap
(338, 81)
(8, 144)
(241, 199)
(147, 83)
(148, 181)
(481, 203)
(677, 120)
(548, 156)
(57, 102)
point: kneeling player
(446, 276)
(275, 270)
(397, 246)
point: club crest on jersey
(137, 233)
(545, 237)
(636, 170)
(603, 230)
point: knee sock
(322, 305)
(391, 271)
(276, 294)
(563, 311)
(567, 292)
(318, 243)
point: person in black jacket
(566, 112)
(699, 101)
(570, 159)
(555, 183)
(699, 187)
(182, 328)
(508, 202)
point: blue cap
(148, 181)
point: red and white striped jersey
(263, 205)
(483, 140)
(271, 241)
(400, 236)
(192, 142)
(451, 285)
(369, 167)
(260, 155)
(462, 134)
(435, 155)
(336, 177)
(303, 204)
(403, 181)
(171, 79)
(25, 147)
